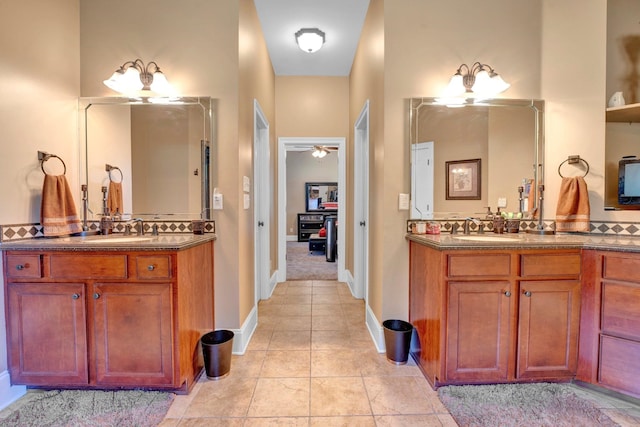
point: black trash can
(216, 350)
(397, 339)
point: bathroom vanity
(521, 308)
(108, 312)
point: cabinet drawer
(550, 264)
(479, 265)
(621, 268)
(619, 364)
(24, 266)
(74, 266)
(153, 266)
(621, 310)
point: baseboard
(242, 336)
(267, 290)
(292, 237)
(350, 281)
(9, 393)
(376, 331)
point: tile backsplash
(11, 232)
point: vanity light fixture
(480, 79)
(310, 39)
(319, 152)
(134, 76)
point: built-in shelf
(625, 114)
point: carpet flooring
(80, 408)
(540, 404)
(303, 265)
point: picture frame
(463, 179)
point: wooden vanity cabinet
(110, 319)
(610, 334)
(495, 315)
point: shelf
(625, 114)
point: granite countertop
(527, 241)
(111, 242)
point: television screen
(629, 181)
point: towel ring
(46, 156)
(573, 160)
(110, 169)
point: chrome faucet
(139, 228)
(467, 223)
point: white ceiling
(341, 20)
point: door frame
(361, 205)
(306, 144)
(261, 203)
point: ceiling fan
(319, 151)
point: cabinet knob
(151, 267)
(527, 293)
(20, 267)
(75, 296)
(96, 295)
(507, 293)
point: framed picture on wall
(463, 179)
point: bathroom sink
(126, 239)
(486, 238)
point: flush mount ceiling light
(480, 79)
(134, 76)
(310, 39)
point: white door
(261, 197)
(361, 207)
(422, 180)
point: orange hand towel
(114, 198)
(58, 215)
(573, 211)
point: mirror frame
(207, 105)
(538, 106)
(307, 187)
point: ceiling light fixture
(310, 39)
(319, 152)
(134, 76)
(481, 79)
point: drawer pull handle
(20, 267)
(75, 296)
(151, 267)
(527, 293)
(507, 293)
(96, 295)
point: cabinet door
(548, 328)
(132, 334)
(47, 333)
(478, 331)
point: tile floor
(311, 362)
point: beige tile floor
(311, 362)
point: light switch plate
(247, 201)
(403, 202)
(246, 184)
(502, 202)
(217, 201)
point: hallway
(312, 362)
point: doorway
(261, 197)
(285, 145)
(361, 208)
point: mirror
(488, 148)
(159, 152)
(321, 196)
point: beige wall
(257, 81)
(366, 83)
(39, 75)
(312, 106)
